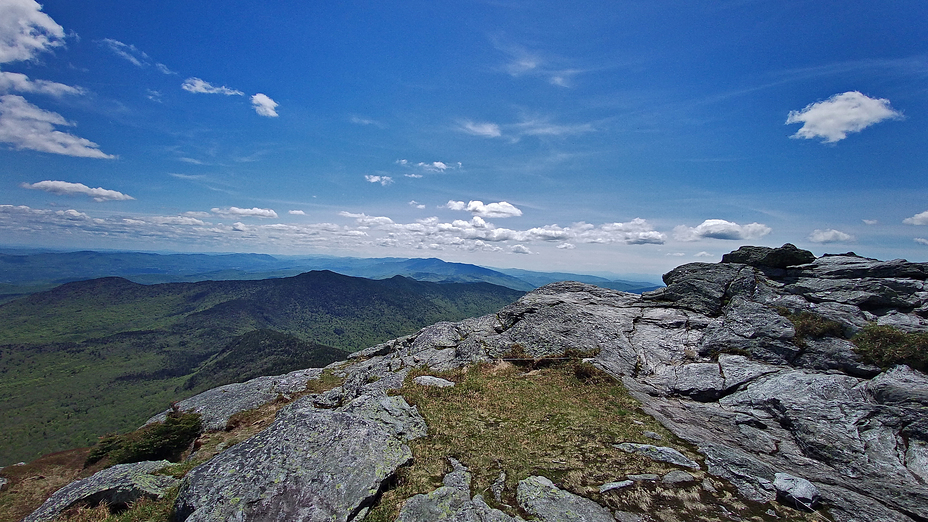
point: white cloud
(249, 212)
(197, 85)
(26, 126)
(839, 115)
(702, 254)
(635, 232)
(413, 176)
(238, 226)
(487, 130)
(491, 210)
(296, 212)
(675, 254)
(65, 188)
(10, 81)
(566, 246)
(917, 219)
(829, 236)
(264, 106)
(25, 31)
(720, 229)
(163, 69)
(921, 240)
(520, 249)
(416, 204)
(870, 222)
(365, 220)
(383, 180)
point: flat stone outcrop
(311, 464)
(119, 485)
(217, 405)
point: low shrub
(162, 440)
(886, 347)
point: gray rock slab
(643, 476)
(659, 453)
(548, 503)
(309, 465)
(117, 485)
(677, 477)
(217, 405)
(437, 382)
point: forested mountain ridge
(97, 356)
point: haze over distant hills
(23, 272)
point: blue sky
(623, 136)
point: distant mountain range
(92, 357)
(28, 272)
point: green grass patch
(559, 421)
(886, 347)
(811, 326)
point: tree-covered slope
(97, 356)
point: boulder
(782, 257)
(548, 503)
(309, 465)
(796, 491)
(117, 486)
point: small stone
(615, 485)
(643, 476)
(651, 435)
(660, 453)
(677, 477)
(707, 485)
(498, 486)
(437, 382)
(771, 513)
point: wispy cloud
(489, 210)
(296, 212)
(538, 127)
(416, 204)
(264, 106)
(365, 220)
(358, 120)
(921, 240)
(26, 126)
(917, 219)
(25, 31)
(521, 61)
(720, 229)
(829, 236)
(263, 213)
(133, 55)
(16, 82)
(197, 85)
(870, 221)
(839, 115)
(130, 52)
(65, 188)
(484, 129)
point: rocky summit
(783, 413)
